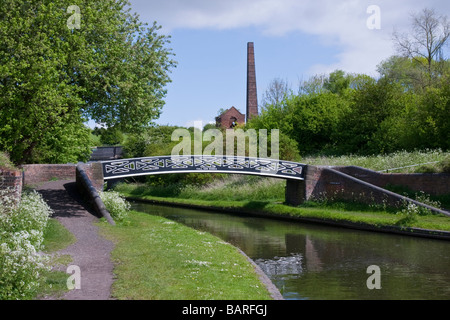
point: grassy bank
(399, 162)
(158, 259)
(266, 195)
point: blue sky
(293, 40)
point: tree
(275, 92)
(58, 146)
(314, 85)
(310, 120)
(153, 141)
(433, 121)
(362, 129)
(405, 71)
(337, 82)
(113, 69)
(429, 37)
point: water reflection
(308, 261)
(281, 266)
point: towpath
(91, 252)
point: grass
(437, 161)
(226, 187)
(56, 237)
(158, 259)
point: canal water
(309, 261)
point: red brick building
(230, 118)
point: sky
(293, 40)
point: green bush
(408, 215)
(5, 162)
(117, 206)
(445, 165)
(425, 198)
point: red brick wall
(224, 120)
(362, 185)
(430, 183)
(94, 171)
(12, 180)
(38, 173)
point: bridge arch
(294, 173)
(115, 169)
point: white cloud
(341, 23)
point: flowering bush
(424, 198)
(30, 215)
(21, 234)
(117, 206)
(408, 215)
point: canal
(309, 261)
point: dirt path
(91, 252)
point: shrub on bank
(445, 165)
(21, 235)
(117, 206)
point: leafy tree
(113, 69)
(67, 143)
(315, 120)
(433, 120)
(310, 120)
(153, 141)
(314, 85)
(363, 127)
(410, 72)
(111, 136)
(337, 82)
(209, 126)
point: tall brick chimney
(252, 99)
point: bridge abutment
(295, 192)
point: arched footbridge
(91, 176)
(123, 168)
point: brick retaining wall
(435, 184)
(11, 180)
(320, 180)
(34, 174)
(366, 186)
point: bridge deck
(211, 164)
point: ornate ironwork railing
(213, 164)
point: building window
(233, 122)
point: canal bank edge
(273, 290)
(408, 231)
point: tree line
(113, 69)
(406, 107)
